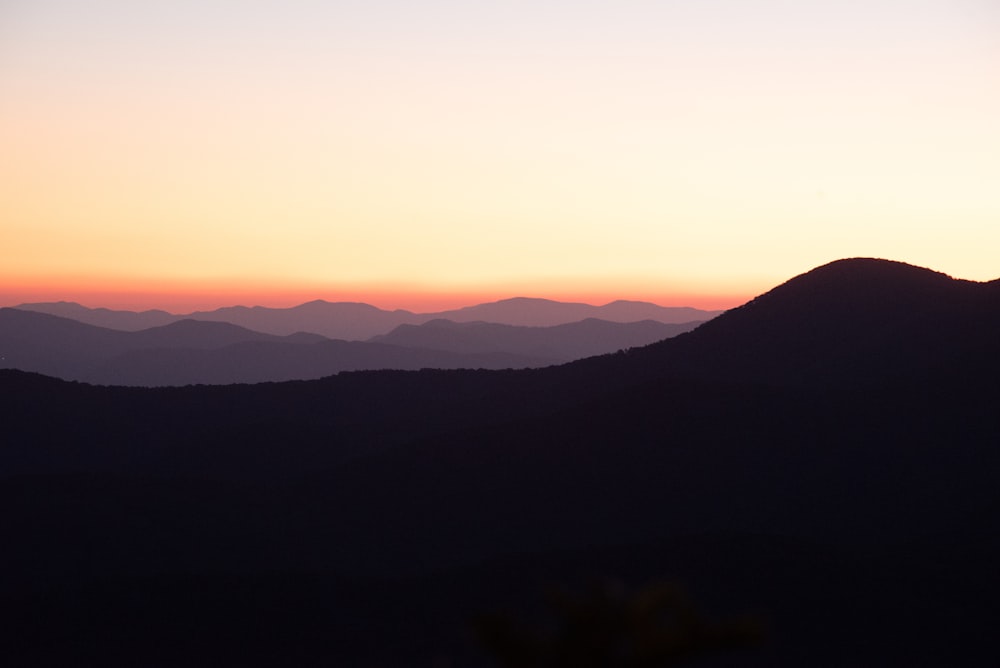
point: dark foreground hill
(805, 459)
(850, 323)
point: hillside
(851, 322)
(844, 491)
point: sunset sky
(422, 154)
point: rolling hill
(851, 322)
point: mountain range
(188, 352)
(353, 321)
(822, 458)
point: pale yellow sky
(390, 150)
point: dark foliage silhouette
(605, 627)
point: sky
(426, 154)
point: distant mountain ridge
(533, 312)
(72, 350)
(189, 352)
(355, 321)
(265, 362)
(209, 352)
(128, 321)
(564, 342)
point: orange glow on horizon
(184, 157)
(188, 296)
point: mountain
(815, 464)
(208, 335)
(213, 352)
(72, 350)
(851, 322)
(530, 312)
(260, 362)
(560, 342)
(341, 320)
(338, 320)
(127, 321)
(355, 321)
(189, 352)
(56, 346)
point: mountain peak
(873, 268)
(523, 300)
(853, 320)
(858, 284)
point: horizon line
(417, 304)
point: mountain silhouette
(128, 321)
(559, 342)
(851, 322)
(337, 320)
(824, 456)
(530, 312)
(260, 362)
(190, 352)
(56, 346)
(73, 350)
(353, 321)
